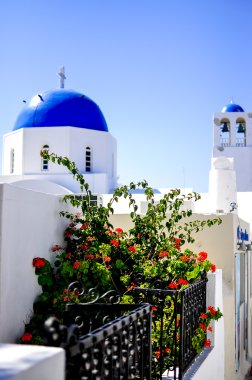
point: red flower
(182, 281)
(68, 255)
(163, 253)
(107, 259)
(184, 258)
(202, 256)
(132, 249)
(76, 265)
(89, 257)
(177, 242)
(119, 230)
(202, 326)
(163, 351)
(38, 263)
(109, 232)
(210, 329)
(153, 308)
(84, 226)
(213, 268)
(132, 286)
(207, 343)
(84, 246)
(212, 310)
(173, 285)
(26, 337)
(56, 248)
(203, 316)
(68, 234)
(114, 242)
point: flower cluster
(200, 338)
(99, 255)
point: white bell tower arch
(232, 135)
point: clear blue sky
(158, 69)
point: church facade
(69, 124)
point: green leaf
(193, 274)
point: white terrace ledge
(24, 362)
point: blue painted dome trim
(60, 108)
(232, 108)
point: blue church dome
(231, 107)
(59, 108)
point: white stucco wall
(29, 225)
(31, 362)
(70, 142)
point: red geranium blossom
(89, 257)
(212, 310)
(114, 242)
(213, 268)
(68, 234)
(84, 226)
(56, 248)
(202, 256)
(107, 259)
(163, 253)
(119, 230)
(184, 258)
(26, 337)
(210, 329)
(177, 242)
(76, 264)
(203, 316)
(38, 263)
(132, 249)
(173, 285)
(84, 246)
(132, 286)
(182, 281)
(207, 343)
(202, 326)
(164, 350)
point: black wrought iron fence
(176, 315)
(151, 339)
(104, 340)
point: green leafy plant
(99, 255)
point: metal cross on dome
(62, 76)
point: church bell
(240, 128)
(224, 127)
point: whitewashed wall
(31, 362)
(29, 225)
(64, 141)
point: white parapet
(24, 362)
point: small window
(12, 160)
(44, 163)
(88, 159)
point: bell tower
(233, 139)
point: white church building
(70, 124)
